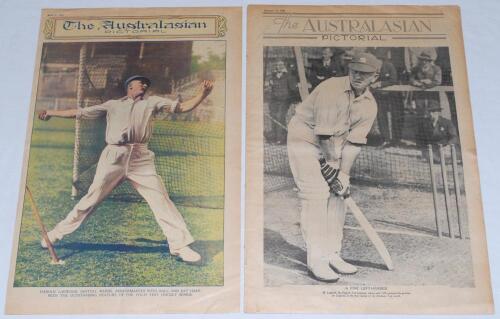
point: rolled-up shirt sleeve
(92, 112)
(164, 104)
(359, 130)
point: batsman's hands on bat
(338, 181)
(329, 173)
(341, 184)
(206, 87)
(44, 115)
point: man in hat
(330, 125)
(425, 76)
(342, 58)
(323, 69)
(126, 157)
(439, 130)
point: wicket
(434, 191)
(446, 189)
(458, 196)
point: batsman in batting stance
(127, 157)
(324, 138)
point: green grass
(120, 244)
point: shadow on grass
(77, 248)
(207, 248)
(367, 264)
(278, 252)
(54, 146)
(420, 229)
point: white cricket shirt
(128, 120)
(332, 109)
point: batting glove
(329, 173)
(341, 184)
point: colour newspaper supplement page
(130, 189)
(362, 179)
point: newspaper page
(130, 190)
(362, 180)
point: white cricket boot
(323, 273)
(341, 266)
(187, 255)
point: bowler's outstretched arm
(205, 89)
(47, 114)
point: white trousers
(133, 162)
(322, 213)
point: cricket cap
(365, 62)
(427, 54)
(434, 106)
(137, 77)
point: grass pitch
(120, 244)
(404, 218)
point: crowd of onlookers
(421, 68)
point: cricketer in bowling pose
(330, 125)
(126, 157)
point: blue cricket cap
(137, 77)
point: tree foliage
(214, 62)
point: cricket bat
(55, 260)
(370, 232)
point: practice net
(397, 151)
(189, 147)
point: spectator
(412, 56)
(322, 70)
(439, 131)
(342, 58)
(425, 75)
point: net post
(303, 90)
(79, 104)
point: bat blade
(370, 232)
(55, 259)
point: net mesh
(189, 147)
(396, 153)
(189, 154)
